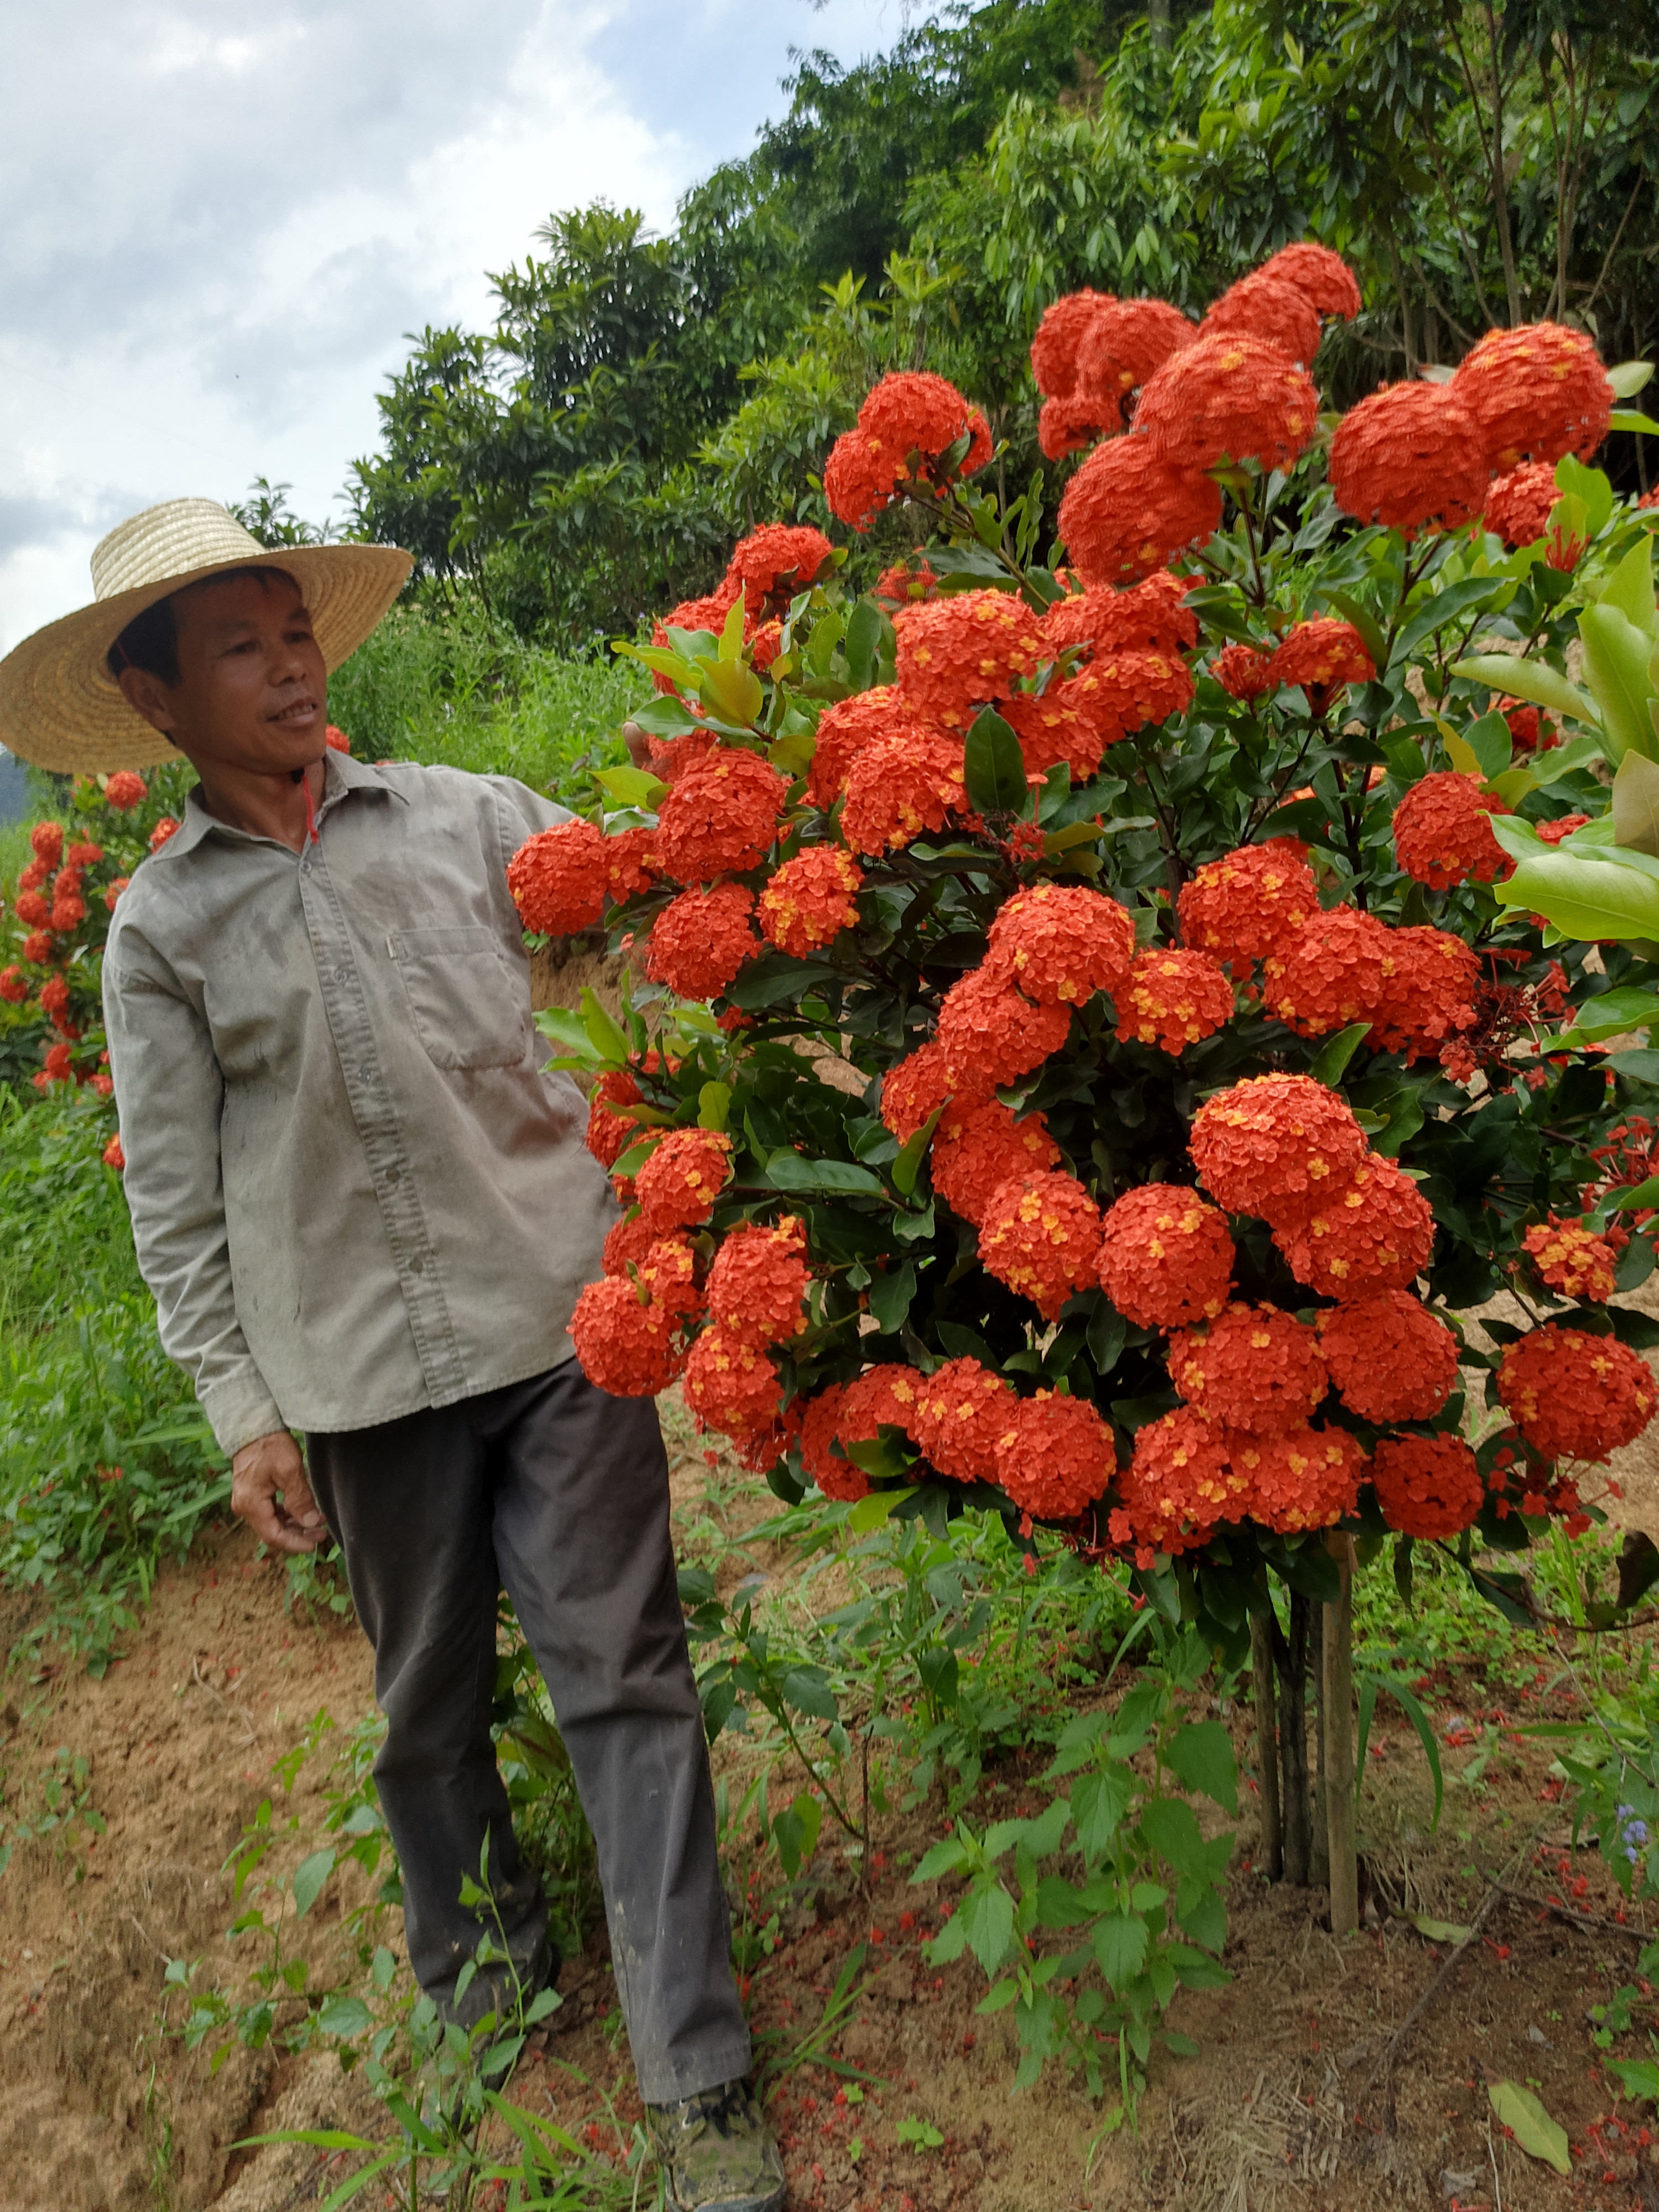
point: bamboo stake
(1336, 1712)
(1267, 1748)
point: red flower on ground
(1427, 1487)
(1245, 905)
(1172, 998)
(1055, 1456)
(1568, 1257)
(1274, 1143)
(1411, 458)
(627, 1345)
(758, 1284)
(900, 785)
(701, 940)
(1252, 1368)
(687, 1171)
(1374, 1233)
(962, 1410)
(992, 1033)
(1537, 392)
(1178, 1484)
(125, 790)
(1264, 305)
(811, 899)
(956, 653)
(1062, 946)
(1166, 1257)
(916, 1087)
(1041, 1235)
(1231, 394)
(1324, 656)
(1244, 672)
(1389, 1358)
(557, 880)
(1442, 833)
(1330, 972)
(975, 1151)
(1307, 1478)
(775, 561)
(1127, 512)
(1574, 1395)
(721, 818)
(731, 1386)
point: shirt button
(392, 1175)
(418, 1265)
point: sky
(217, 219)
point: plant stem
(1336, 1705)
(1267, 1748)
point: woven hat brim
(61, 708)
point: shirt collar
(342, 777)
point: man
(366, 1213)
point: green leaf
(344, 2015)
(1614, 1013)
(1632, 418)
(1364, 621)
(807, 1689)
(1529, 679)
(714, 1104)
(946, 1856)
(1439, 1931)
(634, 787)
(1120, 1940)
(1474, 594)
(1170, 1827)
(731, 690)
(1491, 742)
(993, 766)
(987, 1915)
(569, 1032)
(907, 1165)
(1332, 1059)
(667, 717)
(308, 1879)
(1616, 656)
(890, 1298)
(1585, 898)
(606, 1037)
(787, 1170)
(865, 627)
(1637, 2077)
(1636, 805)
(1201, 1756)
(1627, 377)
(875, 1508)
(1630, 587)
(1538, 2135)
(1406, 1699)
(776, 977)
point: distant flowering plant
(1085, 1055)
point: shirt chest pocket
(470, 1005)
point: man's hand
(270, 1465)
(638, 744)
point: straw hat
(60, 707)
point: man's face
(252, 691)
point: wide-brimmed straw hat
(59, 706)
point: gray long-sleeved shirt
(355, 1191)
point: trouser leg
(581, 1535)
(410, 1506)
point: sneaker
(717, 2153)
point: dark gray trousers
(559, 1492)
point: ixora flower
(1427, 1487)
(1537, 392)
(558, 879)
(1518, 509)
(686, 1174)
(990, 1032)
(1573, 1396)
(1389, 1358)
(1041, 1235)
(920, 1085)
(845, 728)
(962, 1409)
(1324, 656)
(775, 561)
(1321, 274)
(1152, 616)
(1443, 835)
(1274, 1145)
(1060, 334)
(1229, 396)
(14, 987)
(1243, 671)
(1253, 1368)
(1055, 1456)
(701, 939)
(1411, 457)
(1430, 980)
(1171, 999)
(900, 785)
(1127, 512)
(1178, 1484)
(1330, 972)
(1061, 945)
(1567, 1256)
(1166, 1258)
(975, 1153)
(758, 1284)
(1304, 1478)
(1266, 305)
(811, 900)
(1243, 907)
(908, 430)
(125, 790)
(835, 1476)
(113, 1155)
(731, 1385)
(721, 818)
(626, 1343)
(1374, 1233)
(47, 842)
(956, 653)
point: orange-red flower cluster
(845, 728)
(1430, 979)
(1241, 907)
(557, 880)
(976, 1149)
(1330, 972)
(1442, 833)
(1178, 1484)
(1128, 511)
(917, 1086)
(686, 1172)
(775, 561)
(1537, 392)
(113, 1156)
(731, 1386)
(1306, 1478)
(903, 583)
(1389, 1358)
(1263, 304)
(1166, 1258)
(836, 1476)
(1323, 656)
(1574, 1395)
(1569, 1257)
(1172, 998)
(991, 1033)
(125, 789)
(962, 1411)
(1374, 1233)
(914, 428)
(1090, 352)
(1518, 508)
(1411, 457)
(1231, 394)
(1427, 1487)
(721, 817)
(626, 1343)
(899, 786)
(701, 940)
(1152, 616)
(1252, 1368)
(47, 842)
(811, 899)
(14, 986)
(955, 654)
(1244, 672)
(1274, 1143)
(757, 1286)
(1041, 1235)
(1055, 1456)
(1061, 945)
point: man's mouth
(301, 710)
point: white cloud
(218, 218)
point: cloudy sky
(218, 218)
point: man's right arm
(170, 1093)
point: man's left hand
(270, 1492)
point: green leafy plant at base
(1141, 1905)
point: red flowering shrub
(886, 1397)
(1172, 998)
(898, 786)
(1302, 1478)
(1055, 1456)
(1330, 972)
(975, 1151)
(962, 1412)
(701, 939)
(14, 986)
(1570, 1259)
(686, 1174)
(113, 1155)
(1166, 1258)
(1061, 945)
(1152, 616)
(626, 1343)
(1518, 505)
(1177, 1486)
(1264, 305)
(165, 827)
(1374, 1233)
(758, 1283)
(721, 817)
(1321, 274)
(125, 790)
(1575, 1396)
(1323, 656)
(836, 1476)
(1441, 835)
(1389, 1358)
(1041, 1235)
(1411, 457)
(1240, 908)
(47, 842)
(1429, 982)
(909, 430)
(775, 561)
(1128, 511)
(1243, 672)
(1229, 394)
(1537, 392)
(557, 880)
(956, 653)
(1274, 1143)
(915, 1088)
(845, 728)
(991, 1032)
(811, 900)
(1252, 1368)
(1427, 1487)
(731, 1385)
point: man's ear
(147, 695)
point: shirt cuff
(239, 1410)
